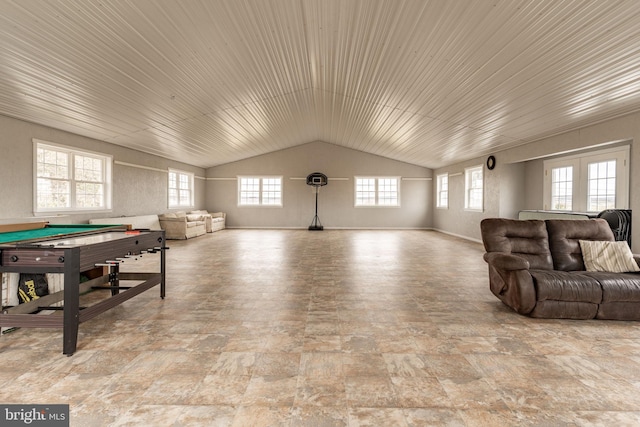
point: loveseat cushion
(564, 237)
(527, 239)
(566, 286)
(193, 224)
(617, 286)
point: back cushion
(564, 236)
(525, 238)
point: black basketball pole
(315, 224)
(316, 179)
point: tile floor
(332, 328)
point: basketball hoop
(316, 180)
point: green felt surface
(53, 230)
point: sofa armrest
(174, 228)
(511, 281)
(219, 215)
(505, 261)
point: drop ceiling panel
(427, 82)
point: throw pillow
(613, 257)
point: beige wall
(136, 190)
(517, 181)
(140, 182)
(336, 200)
(503, 197)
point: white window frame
(580, 163)
(265, 197)
(183, 178)
(565, 186)
(72, 178)
(440, 192)
(469, 189)
(378, 200)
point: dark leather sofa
(536, 268)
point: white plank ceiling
(207, 82)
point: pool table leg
(71, 301)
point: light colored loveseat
(214, 221)
(180, 225)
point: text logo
(34, 415)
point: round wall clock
(491, 162)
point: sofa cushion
(615, 257)
(191, 224)
(527, 239)
(617, 286)
(564, 237)
(566, 286)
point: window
(562, 188)
(377, 191)
(588, 183)
(259, 191)
(71, 180)
(365, 191)
(272, 191)
(473, 182)
(442, 191)
(180, 189)
(601, 192)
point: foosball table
(38, 248)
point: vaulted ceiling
(429, 82)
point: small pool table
(30, 232)
(71, 250)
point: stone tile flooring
(332, 328)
